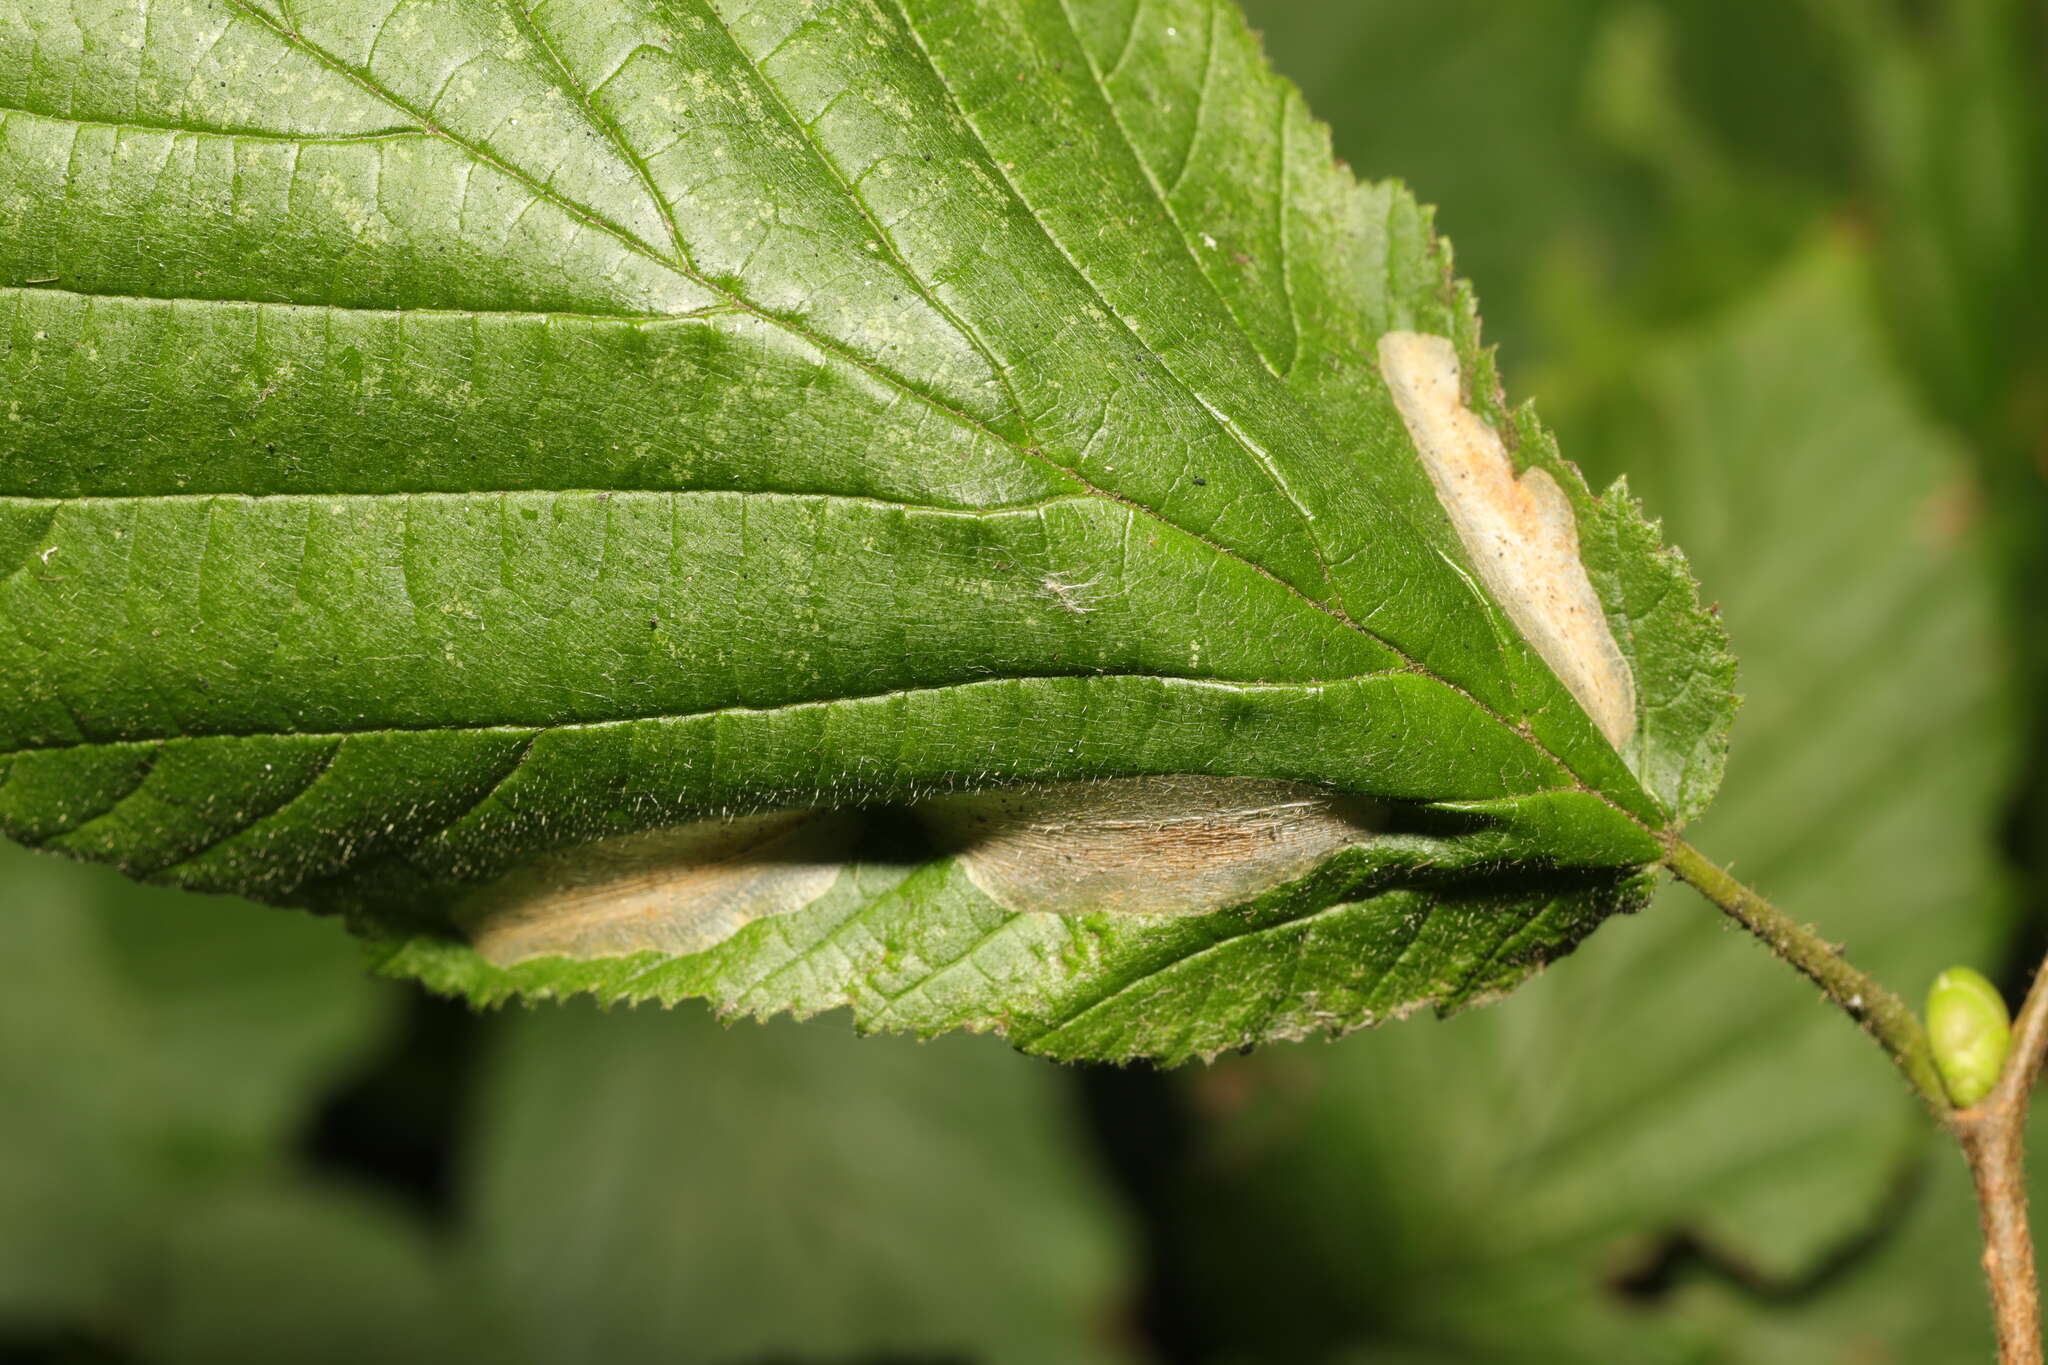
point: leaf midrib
(711, 310)
(198, 130)
(517, 727)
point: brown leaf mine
(678, 890)
(1519, 532)
(1175, 845)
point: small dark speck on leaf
(1201, 483)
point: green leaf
(905, 1201)
(497, 431)
(1651, 156)
(1501, 1172)
(153, 1059)
(1958, 238)
(317, 1270)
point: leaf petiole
(1881, 1014)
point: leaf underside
(440, 435)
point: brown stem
(1993, 1134)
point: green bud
(1971, 1032)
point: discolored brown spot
(1949, 514)
(677, 890)
(1176, 844)
(1520, 533)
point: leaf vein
(996, 168)
(522, 727)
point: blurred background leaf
(1530, 1180)
(654, 1186)
(1778, 262)
(155, 1053)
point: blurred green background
(1781, 261)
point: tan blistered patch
(1180, 845)
(678, 890)
(1519, 532)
